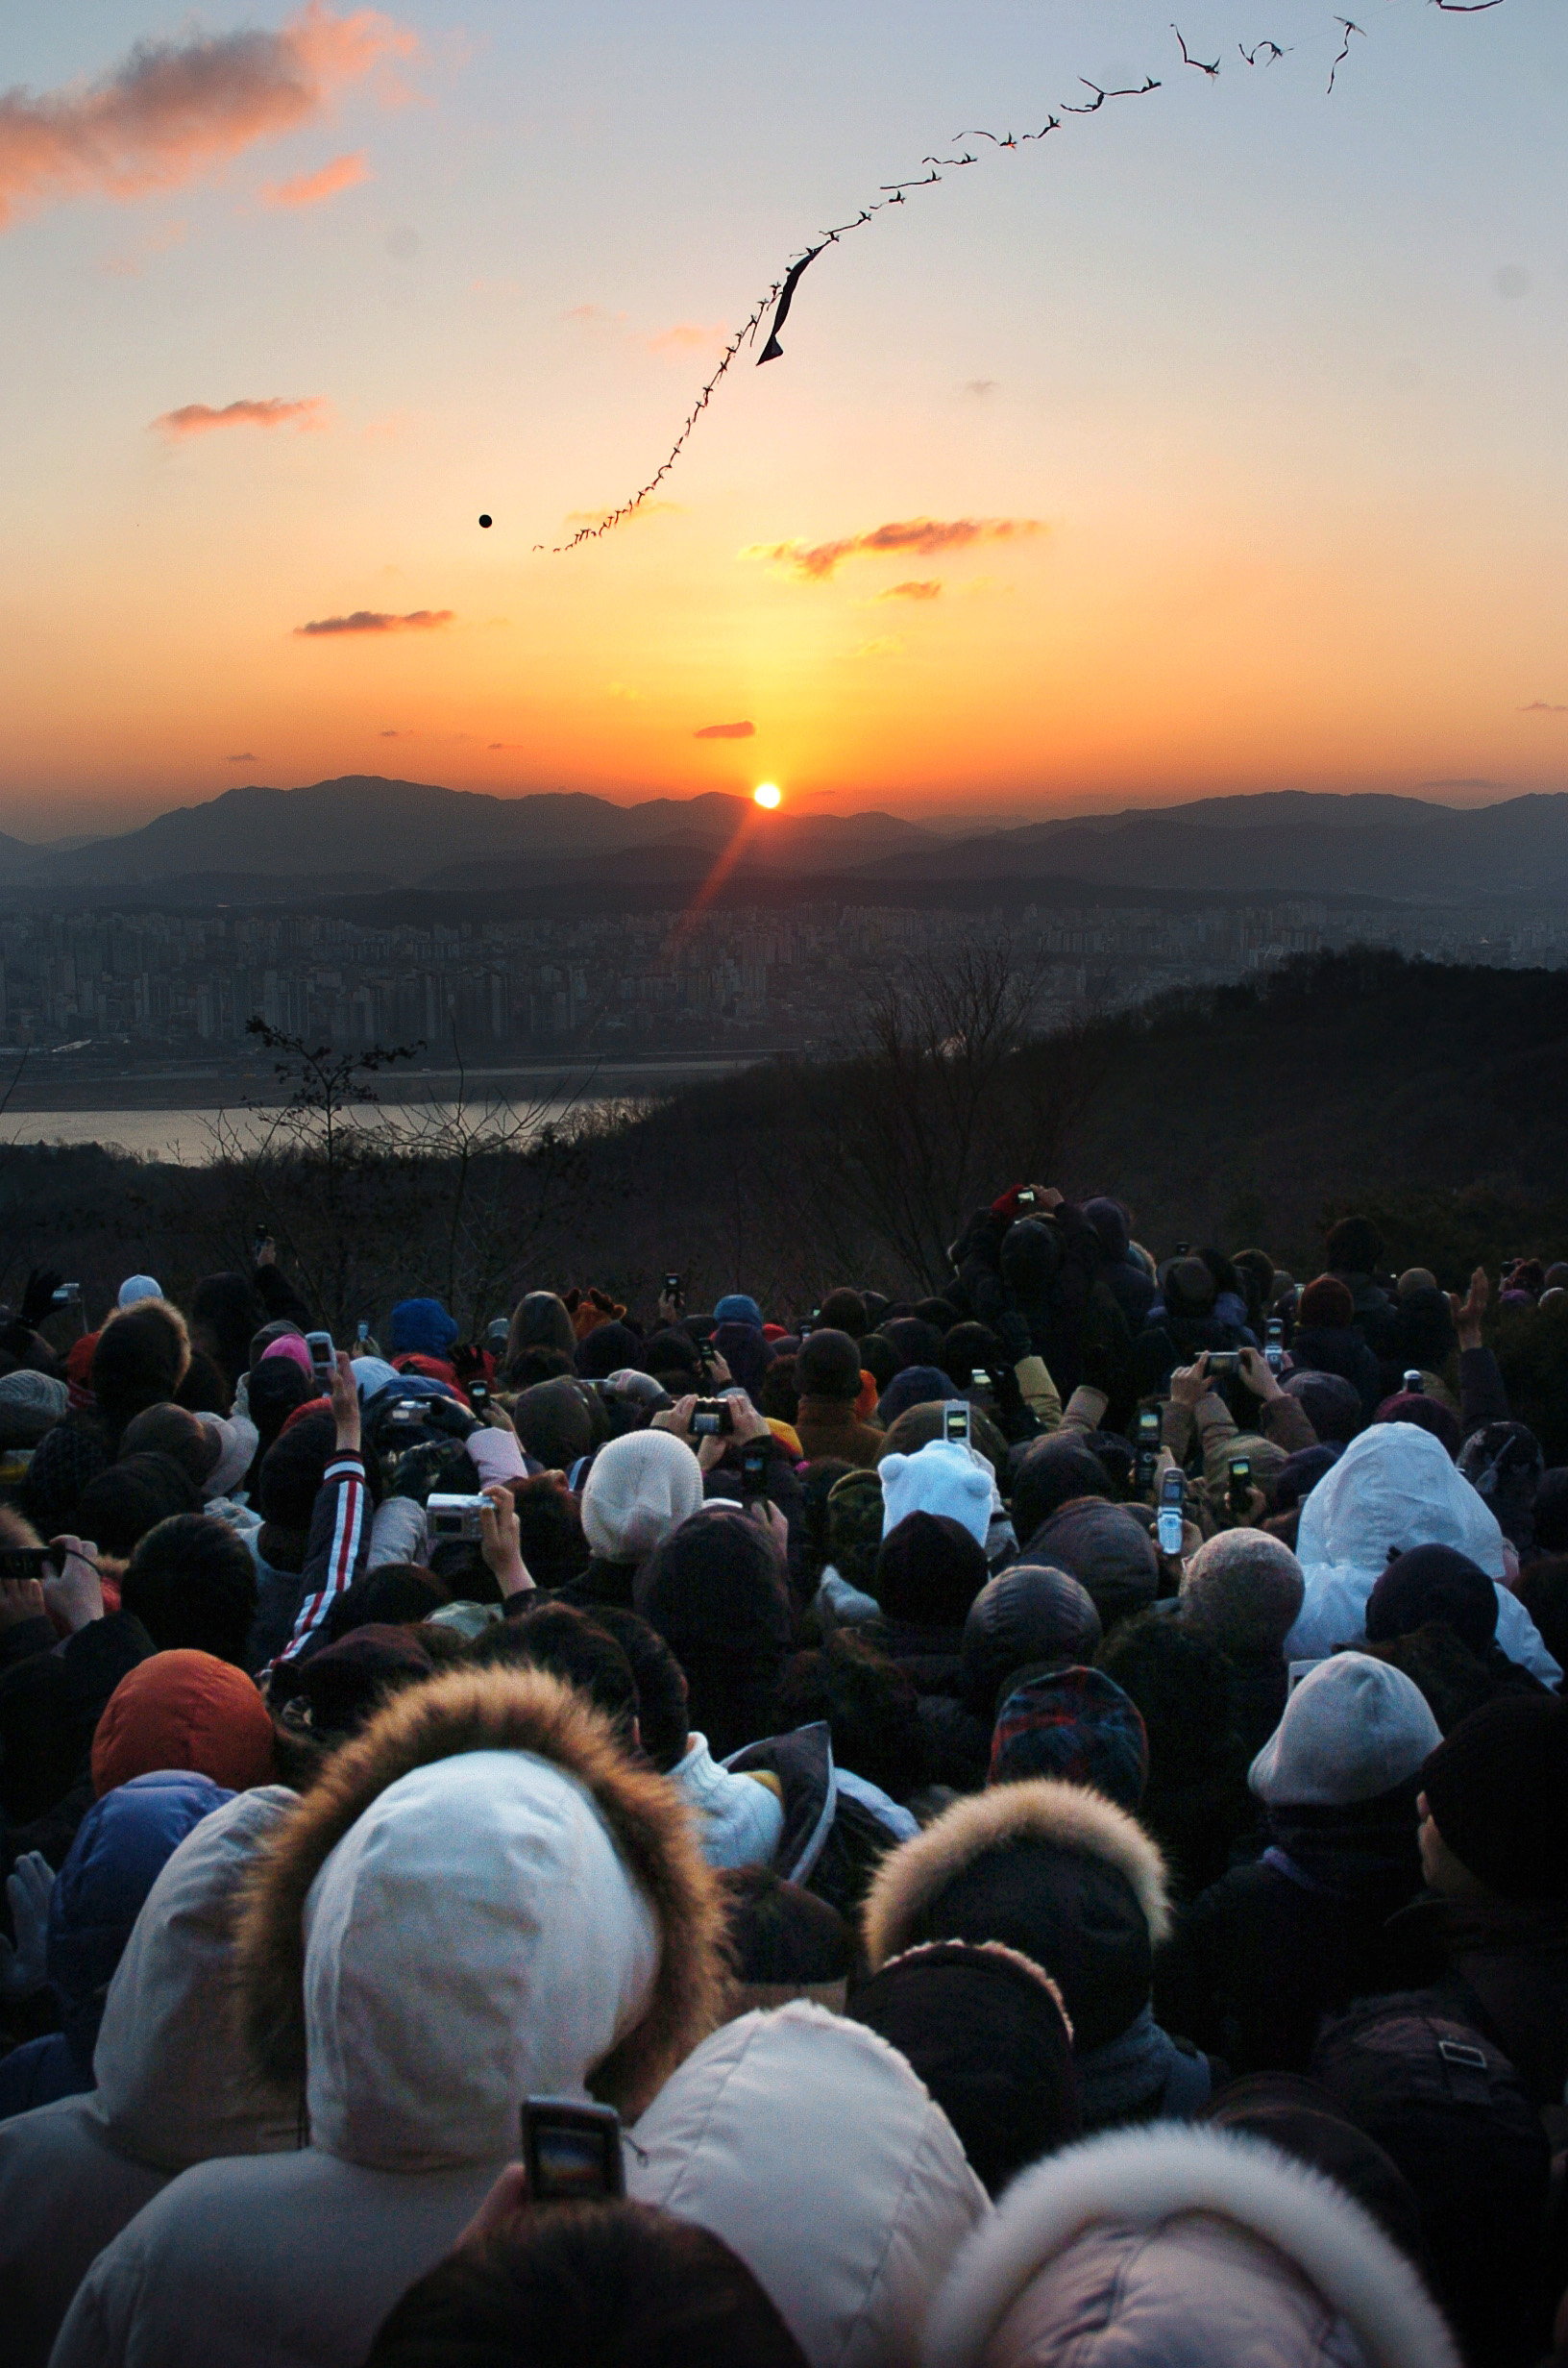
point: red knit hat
(183, 1710)
(1326, 1301)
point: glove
(23, 1968)
(39, 1297)
(446, 1414)
(1013, 1331)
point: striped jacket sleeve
(338, 1545)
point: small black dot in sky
(484, 518)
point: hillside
(386, 834)
(365, 835)
(1437, 1097)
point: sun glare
(767, 794)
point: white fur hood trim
(1143, 2177)
(1067, 1816)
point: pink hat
(291, 1345)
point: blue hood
(121, 1847)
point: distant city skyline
(1211, 445)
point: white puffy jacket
(810, 2147)
(1394, 1487)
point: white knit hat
(944, 1477)
(140, 1287)
(640, 1489)
(1354, 1728)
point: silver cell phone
(323, 1356)
(1172, 1511)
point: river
(186, 1132)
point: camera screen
(571, 2165)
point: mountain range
(362, 833)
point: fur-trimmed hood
(480, 1894)
(1053, 1869)
(1183, 2248)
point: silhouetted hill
(386, 834)
(374, 835)
(1282, 844)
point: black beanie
(843, 1311)
(929, 1571)
(64, 1461)
(119, 1507)
(1498, 1788)
(828, 1365)
(971, 1348)
(1050, 1475)
(274, 1389)
(986, 2031)
(293, 1469)
(1433, 1582)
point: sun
(767, 794)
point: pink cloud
(725, 731)
(172, 109)
(915, 588)
(816, 562)
(378, 621)
(345, 172)
(687, 337)
(269, 412)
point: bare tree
(947, 1097)
(514, 1175)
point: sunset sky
(1214, 443)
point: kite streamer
(780, 296)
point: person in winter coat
(827, 1378)
(139, 1361)
(1270, 1948)
(317, 1494)
(1072, 1881)
(539, 1321)
(1494, 1850)
(809, 2146)
(986, 2031)
(53, 1693)
(716, 1593)
(481, 1899)
(1196, 1803)
(638, 1492)
(1326, 1340)
(191, 1583)
(1182, 2248)
(171, 2088)
(183, 1710)
(1029, 1617)
(1242, 1590)
(1395, 1488)
(121, 1847)
(1075, 1725)
(1129, 1283)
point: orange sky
(1214, 445)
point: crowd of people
(1020, 1828)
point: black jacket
(1270, 1948)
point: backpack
(1449, 2108)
